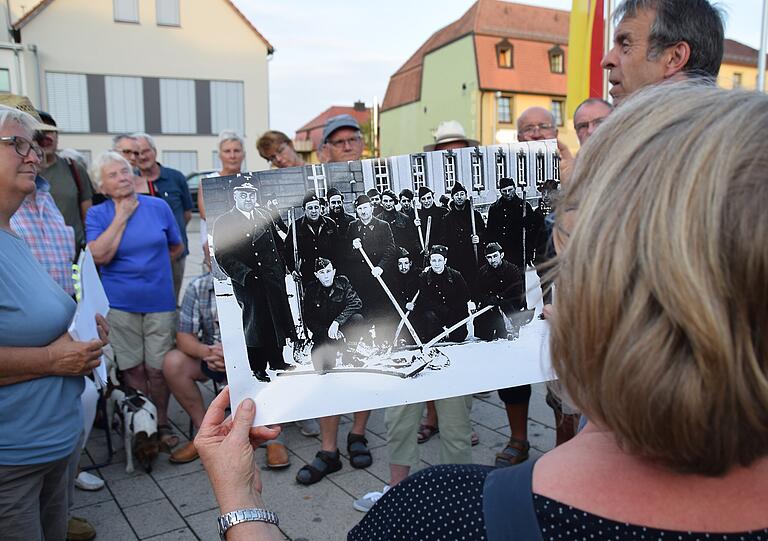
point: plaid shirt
(40, 223)
(198, 315)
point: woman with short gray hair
(133, 238)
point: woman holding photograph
(659, 336)
(133, 239)
(41, 366)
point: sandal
(426, 432)
(325, 462)
(167, 437)
(474, 438)
(357, 447)
(515, 452)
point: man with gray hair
(588, 116)
(171, 185)
(128, 147)
(659, 40)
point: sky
(336, 52)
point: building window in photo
(418, 172)
(381, 174)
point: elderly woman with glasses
(658, 334)
(133, 239)
(41, 366)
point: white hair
(150, 140)
(104, 159)
(230, 135)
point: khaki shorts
(141, 338)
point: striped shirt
(40, 223)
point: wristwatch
(227, 520)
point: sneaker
(309, 427)
(365, 503)
(79, 529)
(88, 481)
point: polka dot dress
(559, 521)
(440, 503)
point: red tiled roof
(487, 18)
(313, 129)
(40, 7)
(738, 53)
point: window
(557, 59)
(556, 165)
(501, 166)
(177, 106)
(540, 168)
(227, 110)
(449, 167)
(125, 104)
(558, 108)
(504, 52)
(167, 12)
(183, 160)
(126, 11)
(503, 110)
(318, 179)
(68, 101)
(476, 170)
(737, 80)
(522, 168)
(381, 174)
(5, 80)
(418, 172)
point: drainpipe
(38, 80)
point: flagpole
(762, 52)
(608, 42)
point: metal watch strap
(253, 514)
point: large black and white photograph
(366, 283)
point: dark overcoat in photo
(379, 245)
(319, 239)
(456, 235)
(505, 226)
(247, 252)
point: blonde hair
(661, 323)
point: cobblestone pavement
(175, 502)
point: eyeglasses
(594, 123)
(23, 146)
(277, 153)
(341, 143)
(533, 127)
(128, 152)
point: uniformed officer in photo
(403, 230)
(406, 203)
(457, 235)
(246, 245)
(336, 210)
(505, 224)
(316, 236)
(332, 311)
(430, 210)
(443, 299)
(499, 284)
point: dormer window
(557, 59)
(504, 52)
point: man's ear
(676, 58)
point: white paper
(93, 300)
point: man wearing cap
(375, 237)
(457, 235)
(336, 210)
(375, 196)
(403, 229)
(70, 185)
(273, 206)
(450, 135)
(406, 203)
(317, 236)
(443, 297)
(333, 314)
(499, 284)
(505, 224)
(405, 284)
(429, 210)
(247, 251)
(342, 140)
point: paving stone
(182, 534)
(108, 521)
(204, 524)
(135, 490)
(153, 518)
(189, 493)
(163, 469)
(84, 498)
(488, 415)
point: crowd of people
(657, 328)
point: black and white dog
(138, 417)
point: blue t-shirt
(171, 186)
(139, 278)
(40, 419)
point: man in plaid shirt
(198, 355)
(40, 223)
